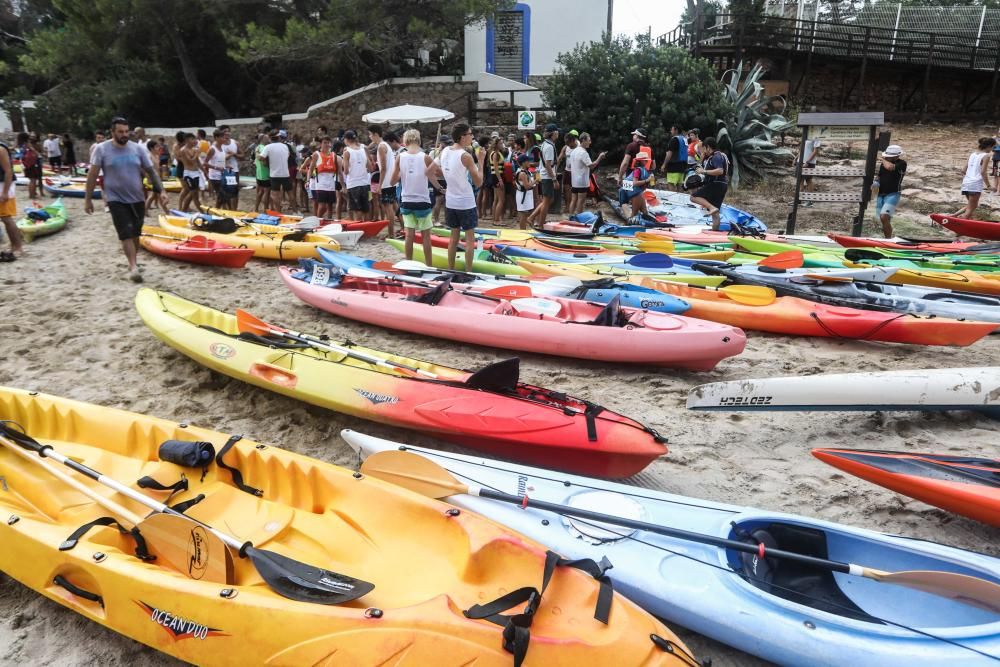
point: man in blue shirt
(123, 163)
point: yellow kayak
(266, 241)
(428, 563)
(594, 271)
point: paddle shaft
(106, 503)
(44, 451)
(524, 501)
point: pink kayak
(579, 329)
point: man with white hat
(638, 145)
(887, 186)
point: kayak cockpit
(853, 597)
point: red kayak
(964, 485)
(929, 246)
(977, 229)
(198, 250)
(371, 228)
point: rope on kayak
(848, 611)
(878, 327)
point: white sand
(69, 328)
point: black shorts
(192, 182)
(281, 183)
(216, 185)
(489, 181)
(56, 162)
(387, 195)
(263, 185)
(325, 196)
(713, 193)
(127, 219)
(546, 188)
(580, 191)
(357, 198)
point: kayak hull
(544, 430)
(31, 229)
(977, 229)
(694, 585)
(966, 486)
(265, 241)
(310, 511)
(207, 252)
(655, 339)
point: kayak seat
(797, 582)
(433, 296)
(610, 315)
(499, 376)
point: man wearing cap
(887, 186)
(548, 184)
(638, 144)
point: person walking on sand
(8, 206)
(410, 171)
(461, 172)
(887, 186)
(581, 166)
(357, 171)
(123, 164)
(977, 178)
(715, 169)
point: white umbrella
(408, 113)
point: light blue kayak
(645, 260)
(787, 613)
(602, 291)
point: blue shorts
(458, 219)
(886, 204)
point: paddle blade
(962, 588)
(413, 472)
(305, 583)
(790, 259)
(248, 323)
(651, 260)
(510, 292)
(751, 295)
(187, 547)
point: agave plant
(746, 136)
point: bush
(609, 88)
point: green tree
(609, 88)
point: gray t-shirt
(123, 170)
(548, 154)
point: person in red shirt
(327, 165)
(632, 150)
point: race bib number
(320, 276)
(231, 180)
(628, 185)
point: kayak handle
(65, 583)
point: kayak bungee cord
(849, 612)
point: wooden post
(790, 226)
(866, 185)
(927, 78)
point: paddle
(167, 537)
(789, 259)
(426, 477)
(751, 295)
(501, 292)
(285, 576)
(651, 260)
(246, 322)
(566, 282)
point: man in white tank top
(410, 172)
(461, 172)
(357, 171)
(387, 194)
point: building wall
(555, 26)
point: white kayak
(794, 615)
(346, 239)
(759, 273)
(935, 389)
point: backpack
(215, 225)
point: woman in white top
(977, 177)
(409, 170)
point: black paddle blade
(305, 583)
(862, 253)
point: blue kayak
(780, 610)
(641, 260)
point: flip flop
(7, 256)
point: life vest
(327, 163)
(644, 156)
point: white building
(525, 41)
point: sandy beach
(68, 327)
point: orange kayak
(964, 281)
(799, 317)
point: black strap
(237, 475)
(141, 550)
(188, 504)
(150, 483)
(516, 627)
(591, 414)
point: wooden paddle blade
(751, 295)
(187, 547)
(246, 322)
(790, 259)
(412, 472)
(510, 292)
(962, 588)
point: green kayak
(483, 263)
(30, 227)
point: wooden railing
(844, 40)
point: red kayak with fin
(977, 229)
